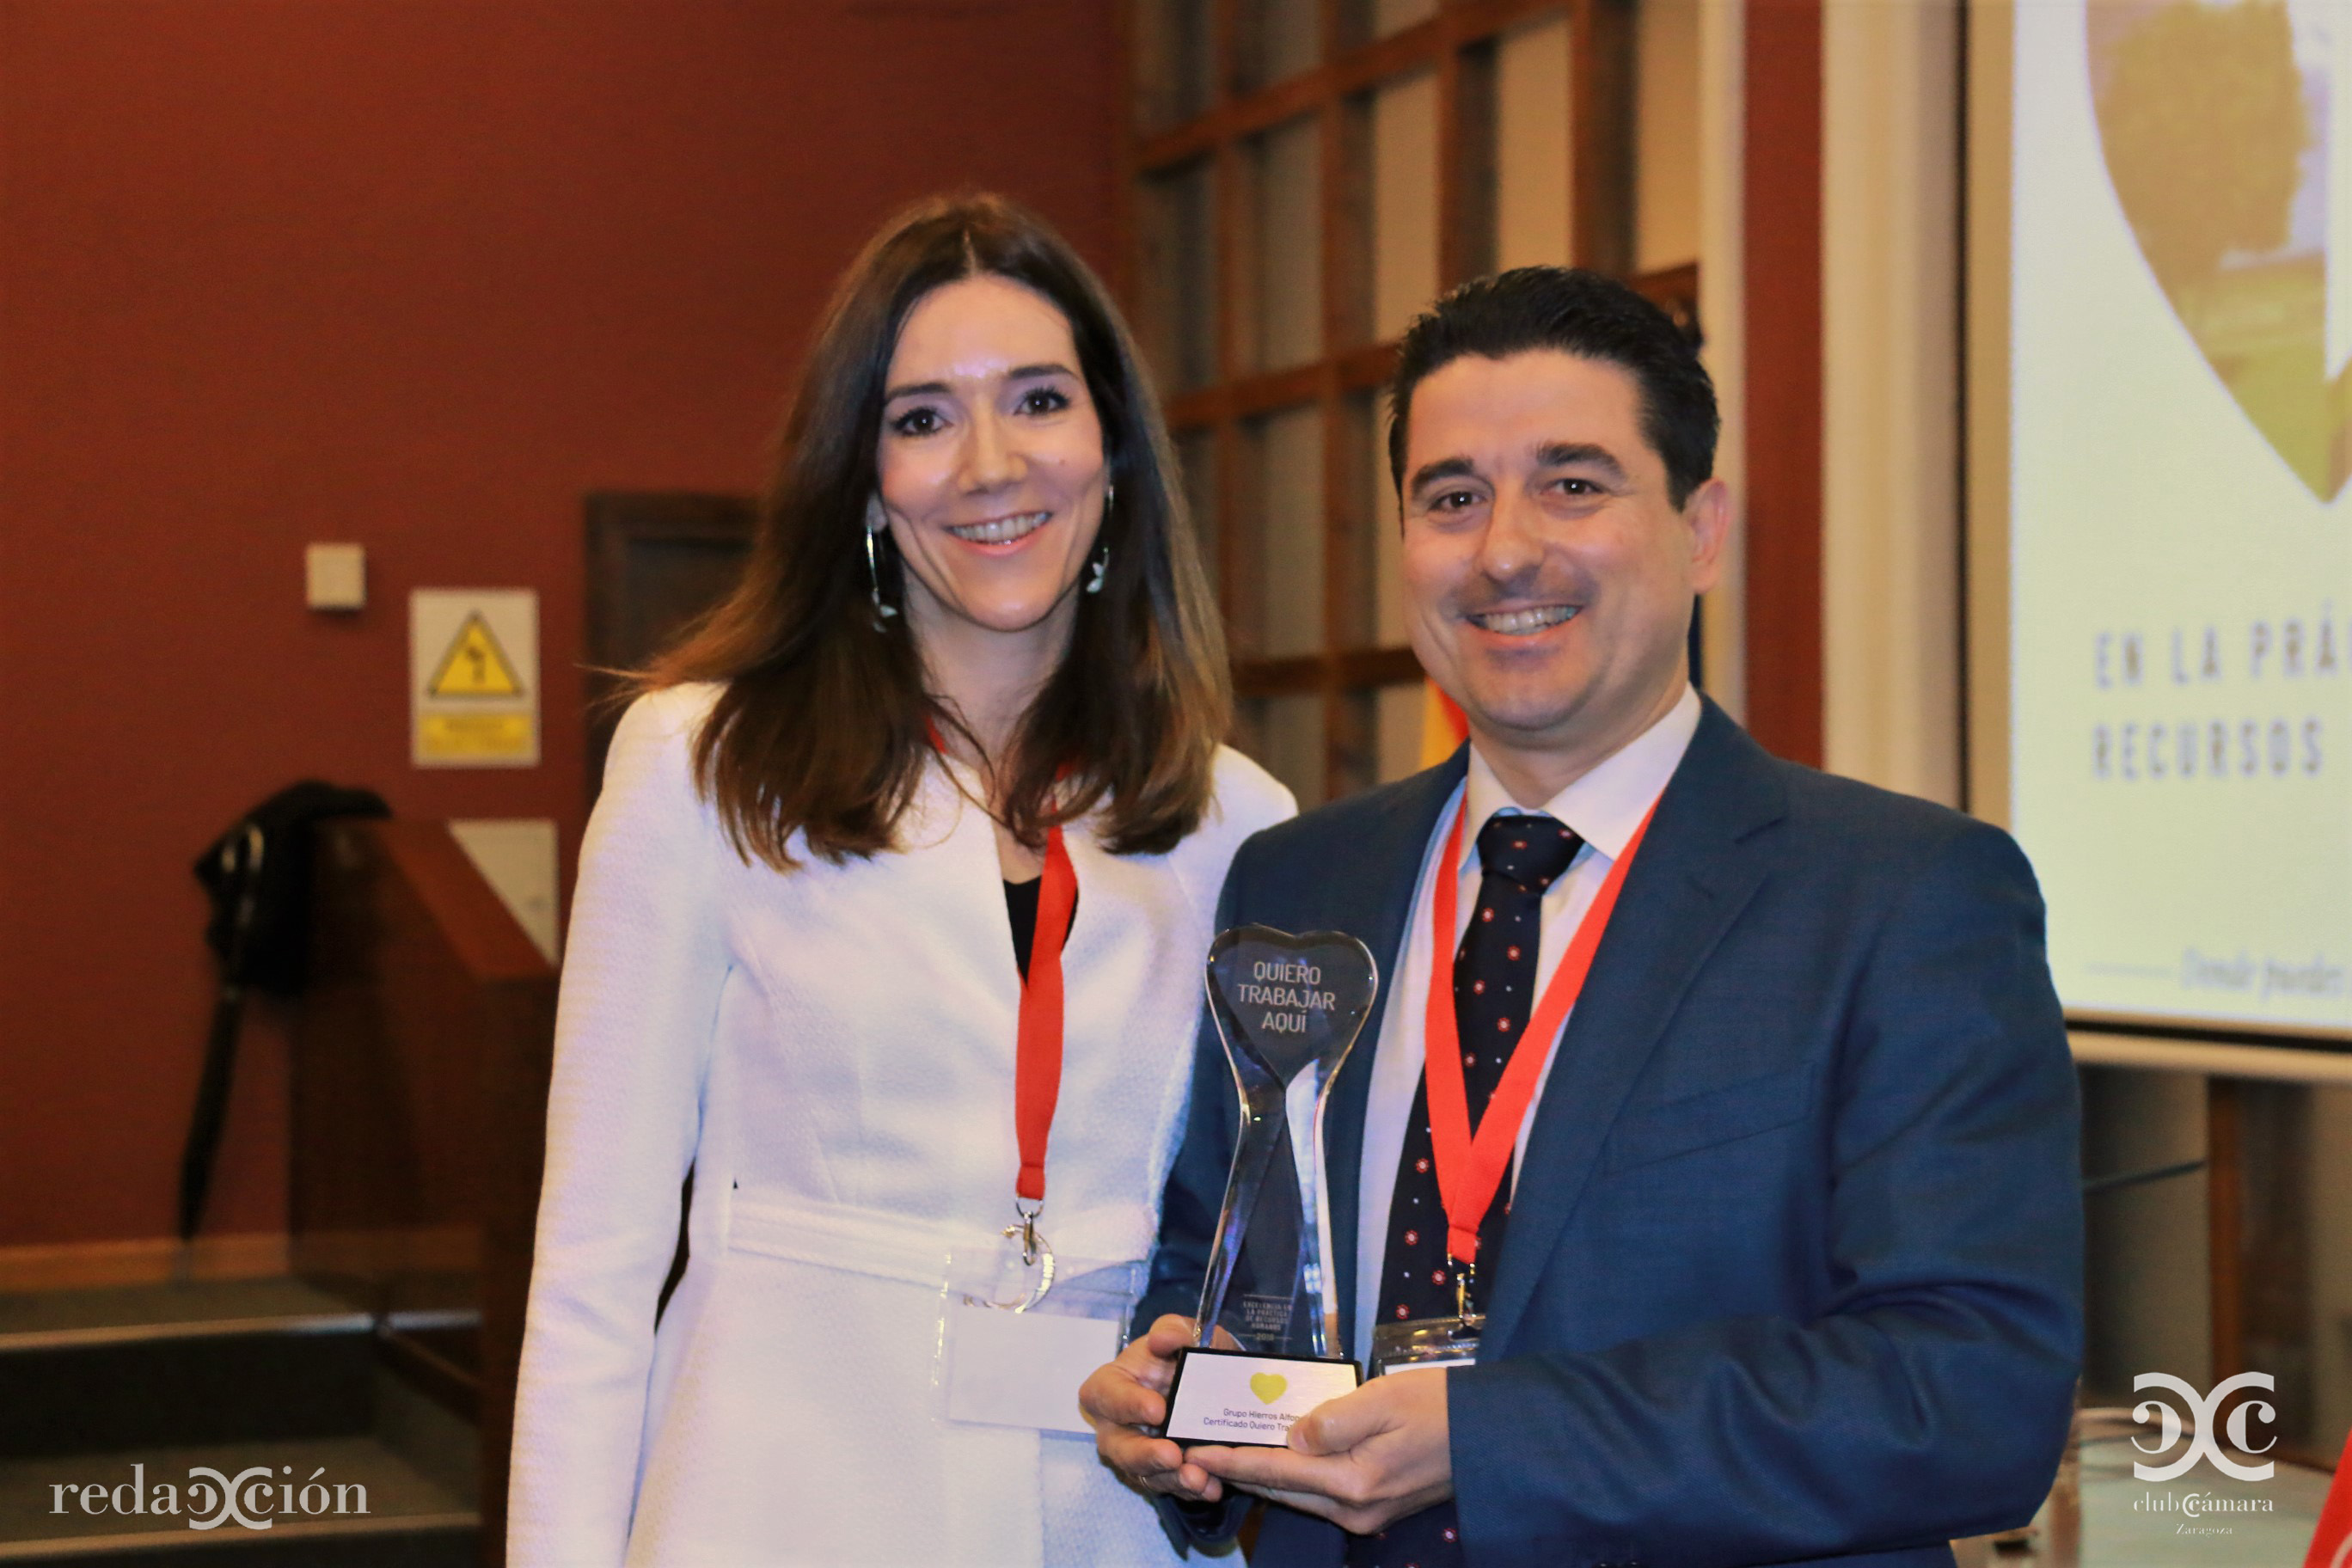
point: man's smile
(1523, 622)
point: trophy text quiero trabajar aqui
(1286, 989)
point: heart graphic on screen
(2216, 127)
(1268, 1386)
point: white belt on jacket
(924, 1252)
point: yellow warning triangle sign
(474, 665)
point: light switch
(335, 576)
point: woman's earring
(1102, 557)
(882, 612)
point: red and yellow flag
(1443, 727)
(2331, 1544)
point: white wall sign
(516, 857)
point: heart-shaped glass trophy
(1287, 1008)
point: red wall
(417, 273)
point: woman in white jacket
(936, 797)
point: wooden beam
(1781, 197)
(1675, 291)
(1359, 70)
(1355, 668)
(1125, 269)
(1227, 200)
(1340, 227)
(2225, 1208)
(1458, 46)
(1362, 369)
(141, 1260)
(1600, 102)
(1468, 165)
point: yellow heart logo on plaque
(1268, 1386)
(2235, 172)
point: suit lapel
(1374, 903)
(1695, 871)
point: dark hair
(1578, 312)
(823, 726)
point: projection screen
(2159, 317)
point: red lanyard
(1037, 1070)
(1469, 1169)
(1037, 1059)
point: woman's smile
(997, 534)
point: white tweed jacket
(831, 1050)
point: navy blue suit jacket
(1795, 1258)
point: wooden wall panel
(1783, 203)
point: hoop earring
(882, 612)
(1102, 557)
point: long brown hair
(823, 726)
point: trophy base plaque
(1244, 1400)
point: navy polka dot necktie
(1519, 857)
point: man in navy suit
(1792, 1263)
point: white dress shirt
(1604, 808)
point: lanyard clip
(1037, 1253)
(1463, 1273)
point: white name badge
(1023, 1369)
(1231, 1396)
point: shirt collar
(1605, 805)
